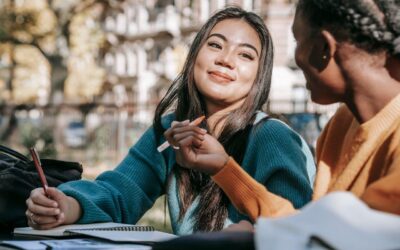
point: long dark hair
(373, 25)
(184, 98)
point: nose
(225, 59)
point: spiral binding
(122, 228)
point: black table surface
(198, 241)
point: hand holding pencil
(195, 148)
(47, 206)
(166, 144)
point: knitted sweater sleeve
(275, 176)
(125, 193)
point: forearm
(249, 196)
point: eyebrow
(240, 44)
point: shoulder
(278, 138)
(274, 129)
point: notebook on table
(116, 232)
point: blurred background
(80, 79)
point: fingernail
(203, 130)
(55, 204)
(57, 211)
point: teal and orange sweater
(275, 156)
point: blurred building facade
(93, 71)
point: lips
(220, 76)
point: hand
(243, 225)
(47, 212)
(195, 149)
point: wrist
(219, 167)
(75, 211)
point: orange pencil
(166, 144)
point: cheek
(203, 57)
(302, 62)
(199, 67)
(299, 57)
(248, 73)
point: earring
(324, 57)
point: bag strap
(9, 151)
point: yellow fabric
(361, 158)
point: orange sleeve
(384, 194)
(249, 196)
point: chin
(321, 100)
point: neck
(371, 92)
(370, 82)
(216, 116)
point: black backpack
(18, 176)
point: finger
(44, 226)
(198, 120)
(29, 216)
(178, 133)
(32, 224)
(180, 127)
(180, 136)
(56, 195)
(189, 128)
(39, 197)
(188, 141)
(41, 210)
(195, 122)
(169, 136)
(176, 124)
(39, 219)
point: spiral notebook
(116, 232)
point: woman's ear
(322, 51)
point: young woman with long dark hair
(226, 78)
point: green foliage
(40, 137)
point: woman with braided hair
(349, 52)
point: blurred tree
(27, 36)
(64, 34)
(85, 76)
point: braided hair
(373, 25)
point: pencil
(166, 144)
(38, 165)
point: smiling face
(227, 64)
